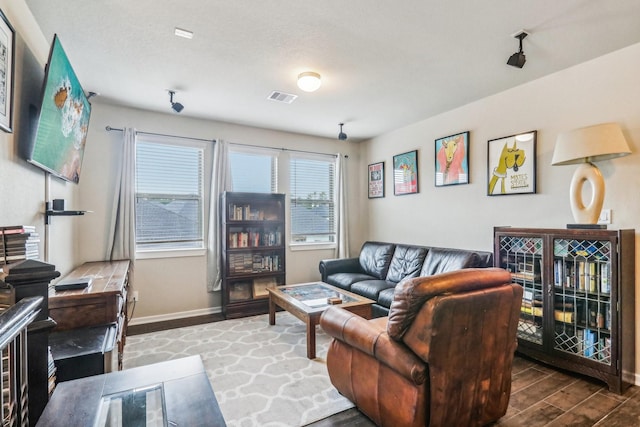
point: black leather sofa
(380, 266)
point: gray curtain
(122, 236)
(342, 248)
(220, 182)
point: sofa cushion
(386, 297)
(375, 258)
(441, 260)
(345, 280)
(371, 288)
(406, 262)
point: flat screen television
(63, 120)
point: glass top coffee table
(307, 302)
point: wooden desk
(102, 303)
(189, 398)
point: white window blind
(253, 170)
(312, 193)
(169, 195)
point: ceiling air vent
(287, 98)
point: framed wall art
(7, 47)
(405, 173)
(452, 159)
(376, 180)
(512, 165)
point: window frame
(329, 158)
(176, 251)
(259, 151)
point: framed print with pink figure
(452, 159)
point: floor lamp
(584, 146)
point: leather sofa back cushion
(441, 260)
(375, 258)
(411, 294)
(406, 262)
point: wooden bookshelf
(253, 251)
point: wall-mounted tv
(63, 121)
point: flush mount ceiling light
(518, 59)
(309, 81)
(342, 136)
(176, 106)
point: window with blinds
(253, 170)
(312, 193)
(169, 195)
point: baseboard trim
(174, 316)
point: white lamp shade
(309, 81)
(589, 144)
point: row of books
(590, 345)
(18, 243)
(246, 213)
(255, 238)
(253, 263)
(585, 276)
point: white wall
(23, 185)
(602, 90)
(171, 288)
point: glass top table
(307, 302)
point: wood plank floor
(541, 396)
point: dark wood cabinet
(104, 302)
(253, 251)
(579, 298)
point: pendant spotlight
(518, 59)
(176, 106)
(342, 136)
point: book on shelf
(17, 229)
(564, 316)
(535, 311)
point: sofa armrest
(343, 265)
(373, 340)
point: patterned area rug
(259, 373)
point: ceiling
(383, 64)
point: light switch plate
(605, 216)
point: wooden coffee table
(307, 302)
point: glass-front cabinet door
(582, 301)
(522, 256)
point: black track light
(176, 106)
(518, 59)
(342, 136)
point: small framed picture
(511, 165)
(7, 47)
(376, 180)
(405, 173)
(452, 159)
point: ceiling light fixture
(309, 81)
(342, 136)
(176, 106)
(518, 59)
(185, 34)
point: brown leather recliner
(443, 357)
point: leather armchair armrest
(343, 265)
(373, 340)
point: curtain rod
(284, 149)
(109, 129)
